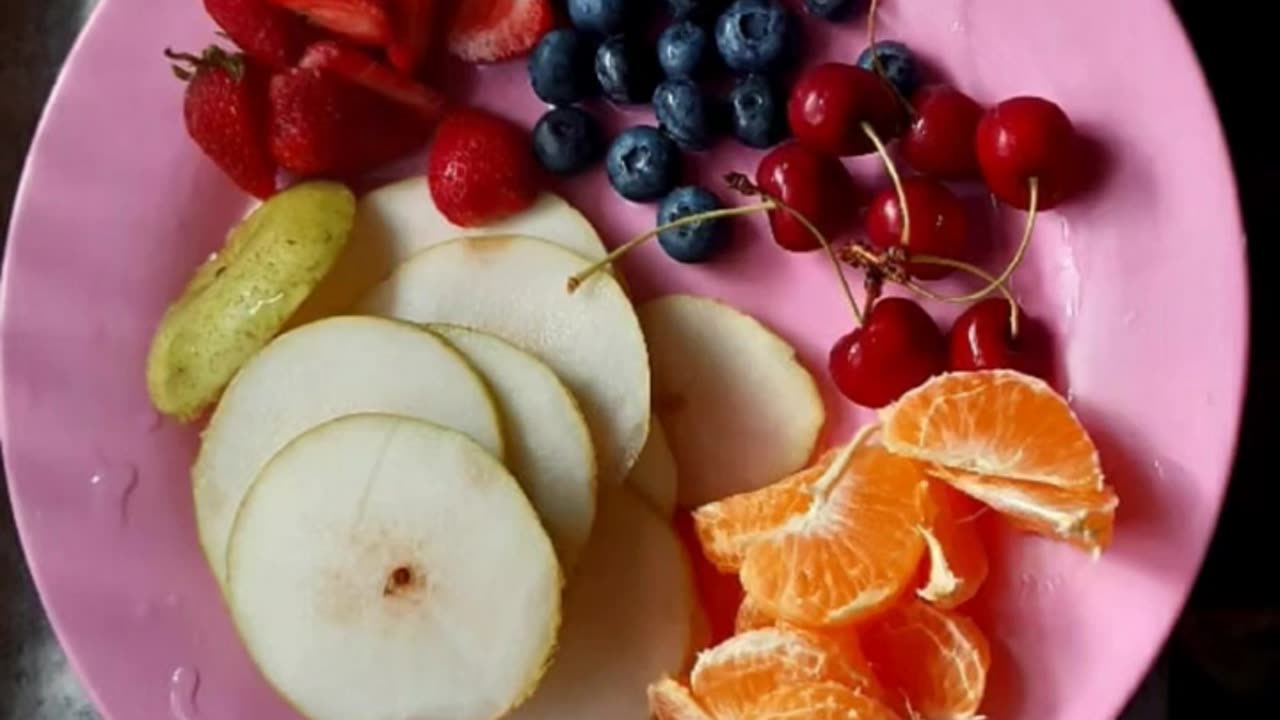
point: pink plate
(1142, 279)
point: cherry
(814, 185)
(939, 225)
(983, 338)
(830, 102)
(897, 348)
(1025, 139)
(940, 141)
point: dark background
(1224, 658)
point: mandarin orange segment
(669, 700)
(933, 663)
(956, 559)
(729, 678)
(997, 422)
(752, 617)
(819, 701)
(852, 552)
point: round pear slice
(397, 221)
(388, 568)
(627, 618)
(516, 288)
(740, 410)
(548, 444)
(315, 374)
(654, 476)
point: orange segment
(956, 559)
(1018, 441)
(729, 678)
(669, 700)
(851, 552)
(752, 617)
(933, 661)
(819, 701)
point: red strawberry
(481, 168)
(322, 125)
(266, 33)
(496, 30)
(364, 21)
(226, 114)
(414, 32)
(355, 66)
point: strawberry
(268, 34)
(415, 28)
(494, 30)
(364, 21)
(225, 109)
(322, 125)
(355, 66)
(481, 168)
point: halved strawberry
(415, 30)
(494, 30)
(354, 66)
(364, 21)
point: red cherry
(830, 102)
(940, 142)
(1025, 138)
(816, 186)
(939, 224)
(896, 349)
(982, 339)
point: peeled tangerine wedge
(1011, 442)
(740, 409)
(315, 374)
(655, 477)
(387, 568)
(956, 563)
(820, 701)
(831, 545)
(548, 445)
(516, 288)
(627, 615)
(395, 222)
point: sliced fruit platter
(697, 360)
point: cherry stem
(892, 168)
(576, 281)
(872, 14)
(919, 289)
(840, 464)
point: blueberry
(834, 9)
(681, 110)
(758, 115)
(682, 50)
(694, 9)
(695, 243)
(604, 17)
(567, 140)
(643, 164)
(626, 71)
(752, 35)
(560, 67)
(900, 65)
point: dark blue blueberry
(560, 67)
(681, 110)
(567, 140)
(752, 35)
(643, 164)
(697, 242)
(757, 114)
(603, 17)
(694, 9)
(683, 50)
(626, 71)
(834, 9)
(900, 65)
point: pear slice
(627, 617)
(397, 221)
(384, 567)
(548, 444)
(516, 288)
(315, 374)
(654, 477)
(244, 295)
(740, 410)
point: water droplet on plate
(112, 487)
(184, 686)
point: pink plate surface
(1142, 280)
